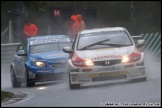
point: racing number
(56, 12)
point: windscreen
(48, 47)
(113, 37)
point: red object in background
(30, 30)
(75, 27)
(74, 18)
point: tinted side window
(22, 46)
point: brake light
(79, 62)
(133, 57)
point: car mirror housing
(67, 49)
(140, 43)
(21, 53)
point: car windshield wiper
(110, 44)
(96, 43)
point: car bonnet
(105, 53)
(51, 55)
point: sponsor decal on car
(105, 57)
(108, 69)
(106, 74)
(48, 40)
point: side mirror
(21, 53)
(67, 49)
(140, 43)
(136, 38)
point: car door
(20, 61)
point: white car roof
(103, 29)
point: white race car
(105, 54)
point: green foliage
(147, 14)
(5, 7)
(6, 95)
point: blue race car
(40, 59)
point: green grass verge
(6, 95)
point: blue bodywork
(55, 60)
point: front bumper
(47, 77)
(46, 74)
(101, 73)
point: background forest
(137, 16)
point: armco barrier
(7, 52)
(152, 43)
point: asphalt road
(55, 94)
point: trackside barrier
(152, 44)
(8, 51)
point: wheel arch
(12, 67)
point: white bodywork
(131, 72)
(79, 75)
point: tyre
(73, 86)
(14, 81)
(28, 83)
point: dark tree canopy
(137, 16)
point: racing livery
(39, 59)
(105, 54)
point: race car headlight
(83, 63)
(133, 57)
(125, 59)
(39, 63)
(89, 63)
(79, 62)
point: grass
(6, 95)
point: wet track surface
(53, 94)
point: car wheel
(14, 81)
(27, 81)
(73, 86)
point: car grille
(107, 62)
(59, 65)
(48, 77)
